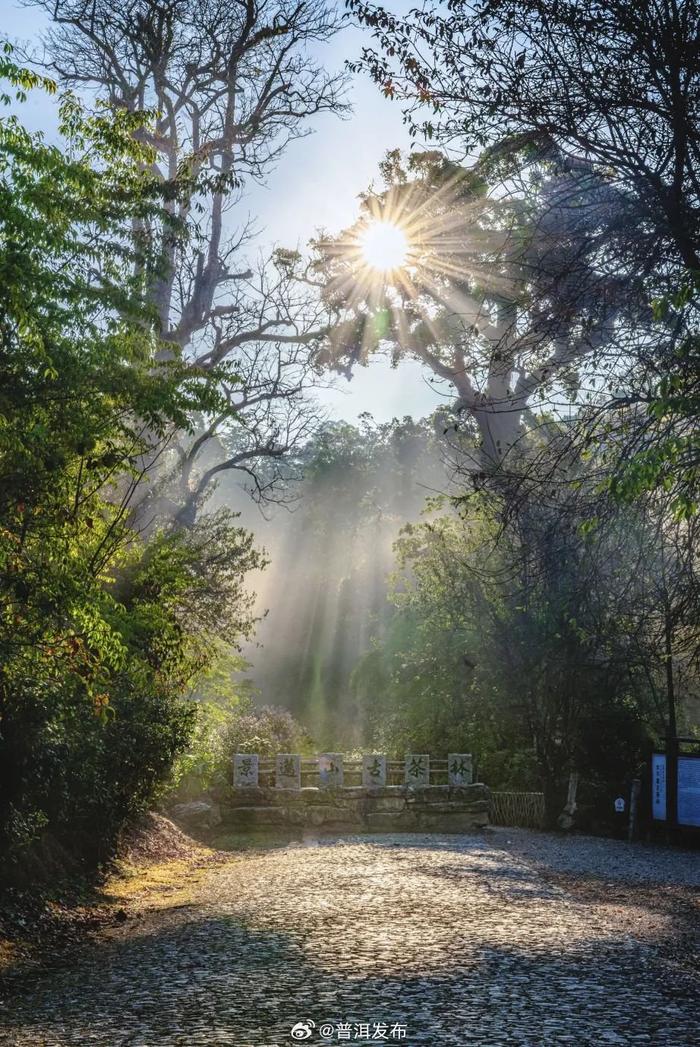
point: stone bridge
(334, 794)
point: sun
(384, 246)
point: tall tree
(537, 644)
(616, 86)
(508, 292)
(233, 82)
(100, 633)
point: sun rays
(422, 254)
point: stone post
(374, 770)
(330, 770)
(288, 771)
(566, 818)
(245, 770)
(459, 769)
(417, 769)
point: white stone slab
(374, 770)
(459, 769)
(418, 769)
(245, 770)
(330, 770)
(288, 771)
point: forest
(197, 555)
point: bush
(266, 731)
(227, 727)
(102, 630)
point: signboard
(658, 786)
(417, 769)
(689, 790)
(288, 771)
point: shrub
(101, 629)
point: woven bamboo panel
(525, 810)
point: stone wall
(396, 808)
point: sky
(296, 201)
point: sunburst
(420, 248)
(384, 246)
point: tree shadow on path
(215, 981)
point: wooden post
(671, 786)
(566, 818)
(573, 788)
(671, 728)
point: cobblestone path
(457, 940)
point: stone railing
(334, 771)
(334, 794)
(367, 794)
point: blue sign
(689, 790)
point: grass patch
(158, 869)
(159, 885)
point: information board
(688, 793)
(689, 790)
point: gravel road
(508, 938)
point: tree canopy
(615, 87)
(99, 631)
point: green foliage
(101, 629)
(220, 696)
(267, 731)
(513, 641)
(328, 581)
(666, 449)
(229, 726)
(412, 688)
